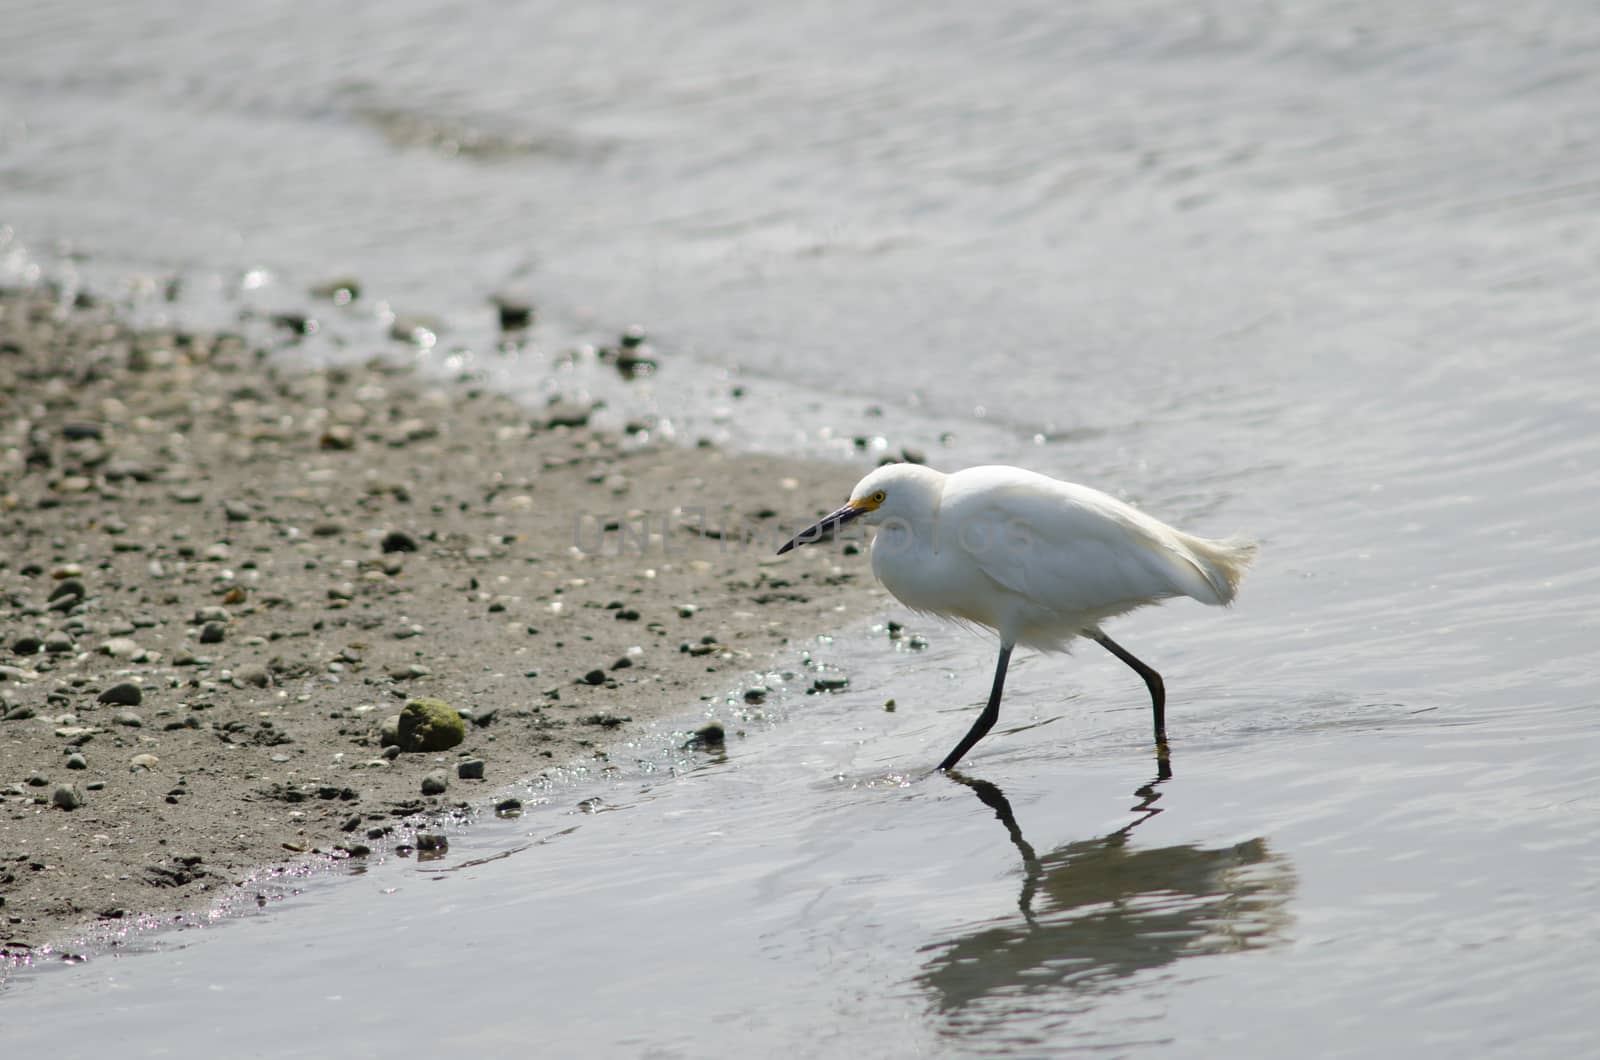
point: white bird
(1039, 561)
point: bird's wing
(1068, 548)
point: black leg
(990, 714)
(1152, 680)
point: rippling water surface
(1325, 273)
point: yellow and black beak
(829, 523)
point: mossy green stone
(429, 724)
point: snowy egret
(1039, 561)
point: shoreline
(220, 574)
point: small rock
(435, 783)
(470, 769)
(389, 731)
(432, 842)
(399, 541)
(144, 761)
(212, 614)
(623, 663)
(711, 734)
(123, 694)
(508, 807)
(77, 761)
(567, 414)
(120, 647)
(252, 675)
(757, 694)
(606, 720)
(66, 797)
(830, 683)
(127, 718)
(68, 587)
(515, 313)
(57, 642)
(428, 724)
(338, 436)
(212, 633)
(27, 644)
(595, 677)
(38, 780)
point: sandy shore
(220, 575)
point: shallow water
(1324, 274)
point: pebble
(252, 675)
(27, 644)
(212, 633)
(120, 647)
(508, 807)
(77, 761)
(144, 761)
(57, 642)
(567, 414)
(428, 724)
(711, 734)
(123, 694)
(212, 614)
(127, 718)
(66, 797)
(435, 783)
(68, 587)
(595, 677)
(515, 313)
(470, 769)
(755, 695)
(830, 683)
(339, 436)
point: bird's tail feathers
(1222, 562)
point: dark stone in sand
(515, 313)
(128, 719)
(755, 695)
(399, 541)
(212, 633)
(435, 783)
(430, 842)
(607, 721)
(66, 797)
(77, 761)
(77, 432)
(627, 614)
(68, 587)
(567, 414)
(711, 734)
(508, 807)
(633, 337)
(27, 644)
(470, 769)
(622, 664)
(123, 694)
(428, 724)
(595, 677)
(338, 436)
(830, 683)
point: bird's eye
(877, 498)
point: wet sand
(220, 574)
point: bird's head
(894, 491)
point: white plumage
(1038, 560)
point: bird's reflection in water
(1095, 912)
